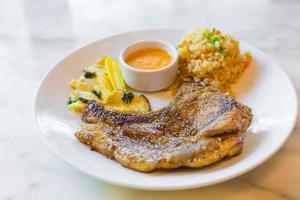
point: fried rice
(211, 56)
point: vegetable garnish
(70, 101)
(114, 74)
(88, 74)
(214, 37)
(127, 97)
(73, 98)
(103, 82)
(97, 93)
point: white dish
(264, 87)
(149, 80)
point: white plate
(264, 87)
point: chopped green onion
(127, 97)
(73, 98)
(97, 93)
(88, 74)
(70, 101)
(214, 39)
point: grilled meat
(200, 126)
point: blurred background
(36, 34)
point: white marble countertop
(34, 35)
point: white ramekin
(149, 80)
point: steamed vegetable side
(103, 83)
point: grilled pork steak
(200, 126)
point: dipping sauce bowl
(149, 80)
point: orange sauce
(149, 58)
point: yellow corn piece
(101, 63)
(77, 106)
(74, 84)
(107, 82)
(88, 96)
(138, 104)
(81, 85)
(115, 96)
(92, 68)
(103, 81)
(114, 74)
(105, 94)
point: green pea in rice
(213, 57)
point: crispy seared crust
(200, 126)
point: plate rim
(160, 188)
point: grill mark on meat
(199, 126)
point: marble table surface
(34, 35)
